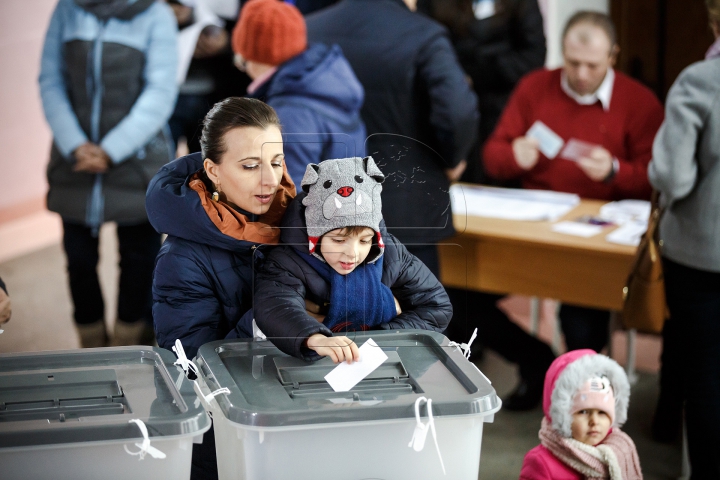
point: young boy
(585, 401)
(338, 260)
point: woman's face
(250, 169)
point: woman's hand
(313, 309)
(397, 305)
(340, 349)
(5, 307)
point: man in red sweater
(585, 100)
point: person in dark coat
(107, 82)
(312, 88)
(219, 208)
(338, 254)
(497, 43)
(419, 111)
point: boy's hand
(340, 349)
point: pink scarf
(615, 458)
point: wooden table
(528, 258)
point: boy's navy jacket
(202, 283)
(286, 280)
(318, 99)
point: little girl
(585, 400)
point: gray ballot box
(110, 413)
(282, 420)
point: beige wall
(24, 135)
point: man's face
(588, 56)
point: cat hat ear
(372, 170)
(311, 176)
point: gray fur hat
(342, 193)
(568, 373)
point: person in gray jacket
(108, 87)
(686, 170)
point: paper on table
(576, 149)
(577, 229)
(628, 234)
(345, 376)
(549, 142)
(511, 204)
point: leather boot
(127, 333)
(92, 335)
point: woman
(107, 83)
(218, 208)
(686, 170)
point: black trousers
(584, 327)
(139, 245)
(691, 354)
(496, 331)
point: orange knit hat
(269, 31)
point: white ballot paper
(576, 149)
(550, 142)
(576, 228)
(345, 376)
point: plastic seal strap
(145, 446)
(464, 348)
(217, 392)
(183, 362)
(417, 442)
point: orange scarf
(235, 224)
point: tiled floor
(42, 321)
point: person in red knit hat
(312, 87)
(613, 117)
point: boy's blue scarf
(359, 300)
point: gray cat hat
(342, 193)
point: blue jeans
(693, 298)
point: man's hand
(5, 307)
(526, 152)
(598, 165)
(454, 174)
(340, 349)
(91, 158)
(212, 40)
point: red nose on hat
(345, 191)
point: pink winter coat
(540, 463)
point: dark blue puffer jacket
(318, 99)
(202, 284)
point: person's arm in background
(631, 178)
(499, 156)
(5, 305)
(67, 133)
(153, 108)
(673, 169)
(424, 303)
(453, 104)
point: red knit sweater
(626, 130)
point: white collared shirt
(603, 94)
